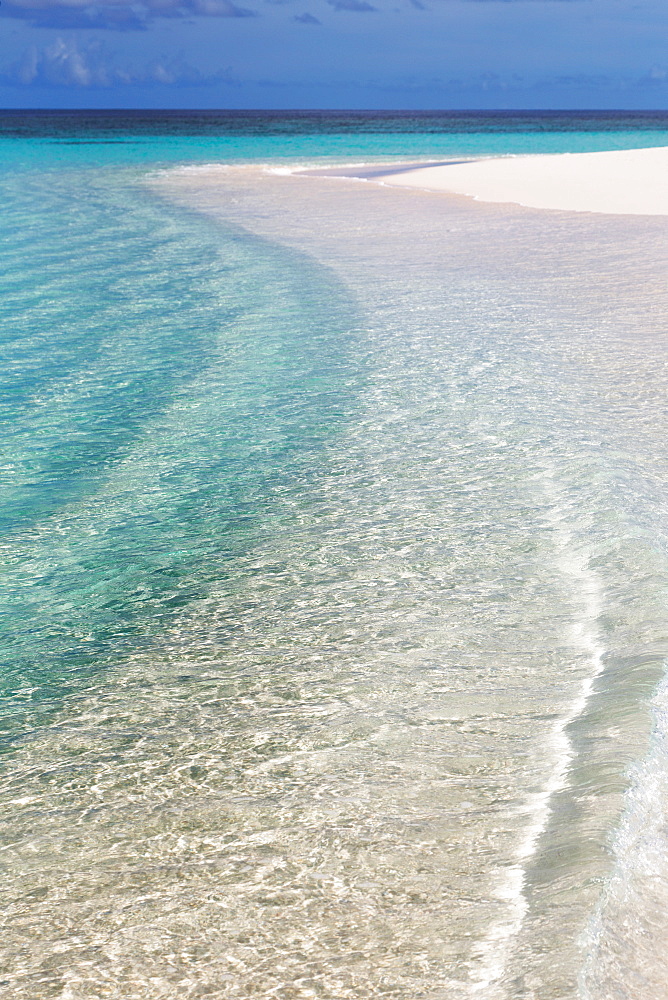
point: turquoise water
(334, 568)
(117, 319)
(57, 140)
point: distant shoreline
(619, 182)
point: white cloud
(65, 63)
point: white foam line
(496, 947)
(640, 863)
(308, 169)
(321, 170)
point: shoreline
(619, 182)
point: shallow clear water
(335, 572)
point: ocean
(335, 564)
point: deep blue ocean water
(59, 139)
(195, 496)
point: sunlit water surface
(336, 535)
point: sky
(385, 54)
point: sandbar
(620, 182)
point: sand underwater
(337, 535)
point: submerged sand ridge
(621, 182)
(474, 535)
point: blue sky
(334, 53)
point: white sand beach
(622, 182)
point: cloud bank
(64, 63)
(119, 14)
(128, 14)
